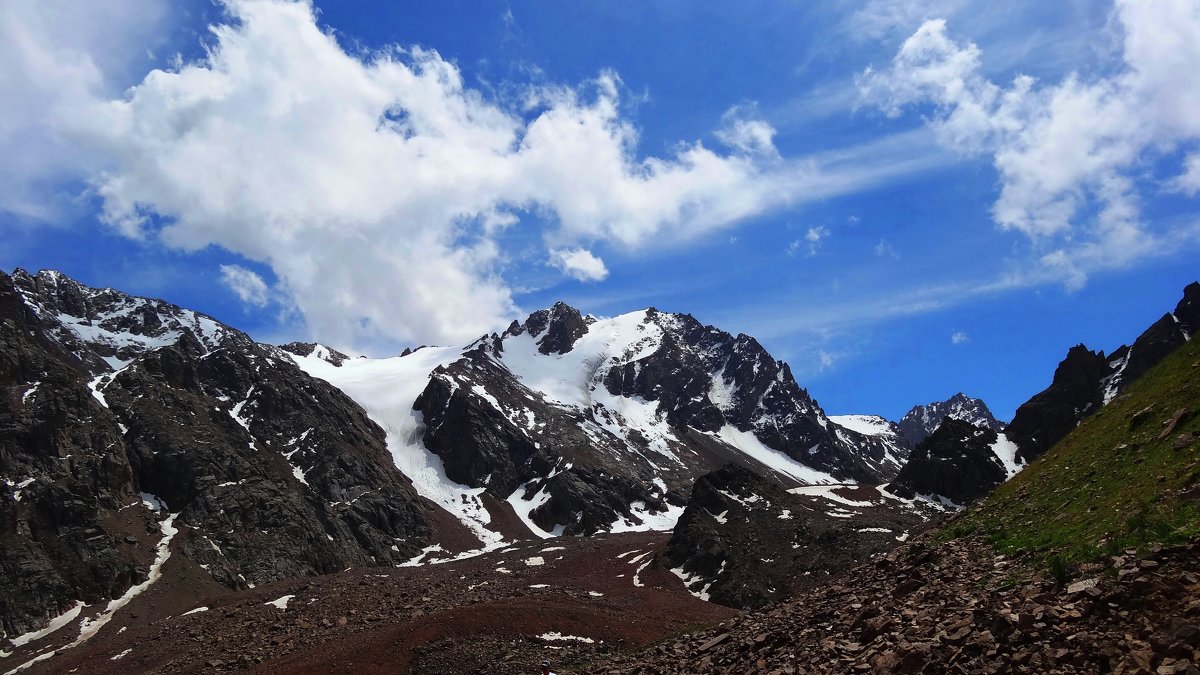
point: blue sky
(903, 200)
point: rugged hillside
(923, 420)
(957, 607)
(744, 541)
(957, 464)
(1086, 381)
(582, 424)
(251, 469)
(1127, 475)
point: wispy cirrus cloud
(1068, 154)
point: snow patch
(637, 581)
(555, 636)
(387, 389)
(650, 521)
(54, 624)
(829, 492)
(280, 603)
(1006, 451)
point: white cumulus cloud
(579, 263)
(1188, 182)
(53, 55)
(959, 338)
(373, 185)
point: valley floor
(570, 600)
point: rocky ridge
(957, 464)
(583, 425)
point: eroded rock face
(63, 467)
(956, 462)
(745, 542)
(272, 473)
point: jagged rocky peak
(956, 464)
(106, 329)
(558, 328)
(320, 351)
(923, 420)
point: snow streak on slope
(749, 444)
(387, 389)
(1006, 452)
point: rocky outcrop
(1085, 381)
(1050, 415)
(556, 328)
(956, 462)
(107, 398)
(745, 542)
(923, 420)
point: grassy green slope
(1113, 483)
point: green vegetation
(1116, 482)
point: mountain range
(134, 430)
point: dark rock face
(562, 325)
(59, 449)
(1085, 381)
(1049, 416)
(745, 542)
(923, 420)
(271, 473)
(956, 462)
(654, 402)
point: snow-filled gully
(90, 626)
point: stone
(1081, 586)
